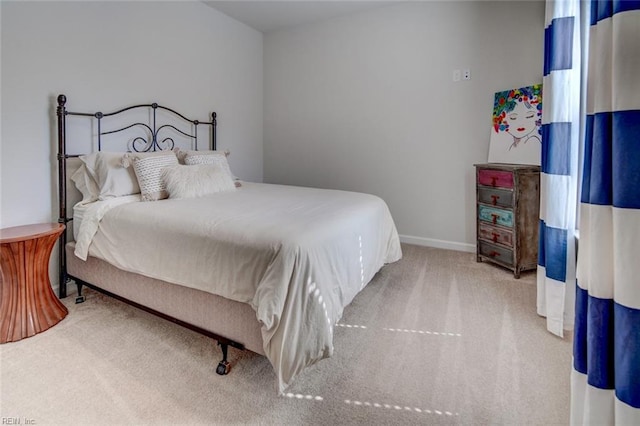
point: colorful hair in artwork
(506, 101)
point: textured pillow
(129, 157)
(86, 184)
(219, 160)
(196, 181)
(182, 154)
(148, 171)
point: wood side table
(28, 304)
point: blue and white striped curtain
(561, 85)
(605, 379)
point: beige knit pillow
(148, 171)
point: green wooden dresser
(507, 212)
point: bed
(262, 267)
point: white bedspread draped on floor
(606, 367)
(298, 256)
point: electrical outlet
(456, 75)
(466, 74)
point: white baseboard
(432, 242)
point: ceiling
(271, 15)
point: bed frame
(230, 323)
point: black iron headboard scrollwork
(152, 142)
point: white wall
(107, 55)
(367, 103)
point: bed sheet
(297, 255)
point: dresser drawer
(495, 215)
(496, 235)
(500, 178)
(495, 197)
(499, 254)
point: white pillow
(148, 171)
(196, 181)
(113, 180)
(86, 184)
(89, 162)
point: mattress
(296, 255)
(215, 314)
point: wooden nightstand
(28, 304)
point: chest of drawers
(507, 211)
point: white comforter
(297, 255)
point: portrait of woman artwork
(516, 134)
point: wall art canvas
(516, 134)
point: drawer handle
(495, 199)
(493, 180)
(495, 237)
(495, 217)
(494, 254)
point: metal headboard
(138, 144)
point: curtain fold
(561, 85)
(605, 378)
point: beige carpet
(434, 339)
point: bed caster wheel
(80, 299)
(223, 368)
